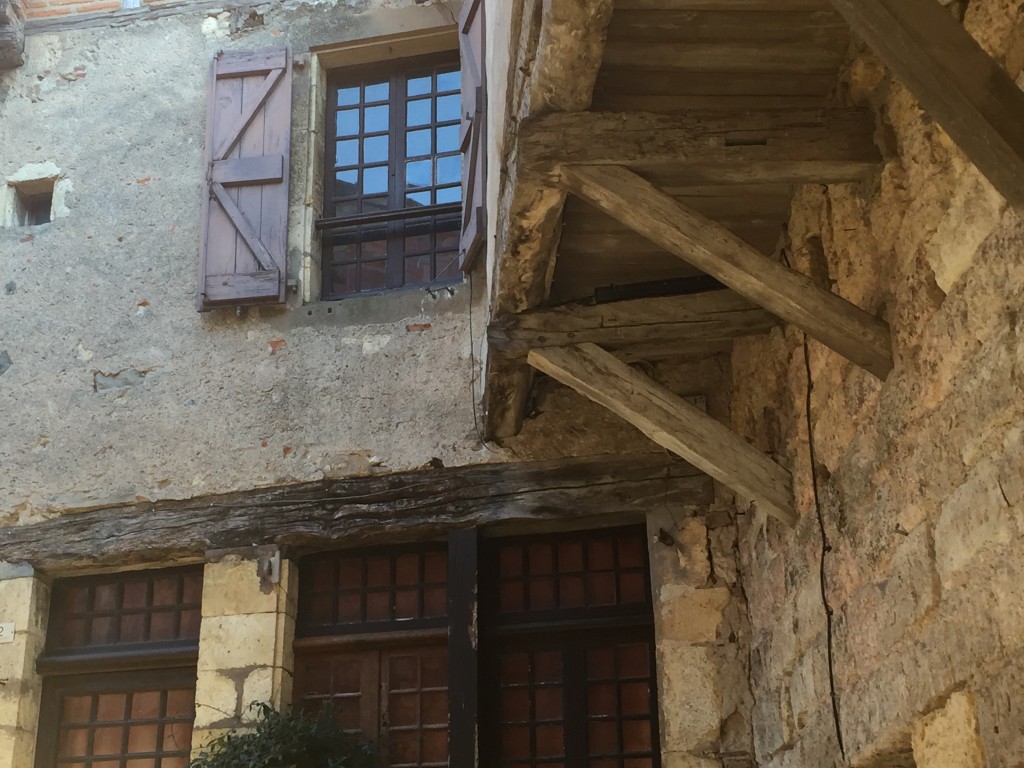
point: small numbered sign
(7, 632)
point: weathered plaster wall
(116, 389)
(921, 478)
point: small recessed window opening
(33, 202)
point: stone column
(245, 644)
(24, 602)
(699, 627)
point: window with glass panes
(563, 643)
(393, 186)
(120, 670)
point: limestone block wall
(24, 602)
(920, 478)
(702, 640)
(245, 645)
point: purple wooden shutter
(473, 133)
(245, 213)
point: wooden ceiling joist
(777, 145)
(967, 92)
(672, 423)
(793, 297)
(699, 321)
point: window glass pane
(346, 183)
(449, 108)
(418, 174)
(418, 112)
(448, 138)
(346, 152)
(449, 169)
(375, 149)
(417, 198)
(417, 269)
(374, 204)
(375, 180)
(418, 86)
(348, 122)
(373, 277)
(348, 96)
(346, 208)
(377, 92)
(449, 195)
(417, 143)
(448, 81)
(376, 119)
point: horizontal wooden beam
(781, 145)
(721, 5)
(716, 57)
(698, 240)
(968, 93)
(699, 319)
(672, 423)
(413, 504)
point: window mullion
(574, 692)
(396, 188)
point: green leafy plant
(282, 741)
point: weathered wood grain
(721, 5)
(968, 93)
(352, 510)
(786, 145)
(791, 296)
(671, 422)
(682, 26)
(718, 57)
(700, 318)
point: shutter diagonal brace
(244, 227)
(235, 133)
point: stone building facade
(140, 435)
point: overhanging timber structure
(653, 151)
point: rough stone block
(18, 603)
(975, 524)
(948, 738)
(974, 213)
(692, 615)
(258, 686)
(691, 702)
(692, 545)
(233, 587)
(217, 700)
(234, 642)
(686, 760)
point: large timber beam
(968, 93)
(672, 324)
(554, 68)
(710, 247)
(793, 146)
(355, 510)
(672, 423)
